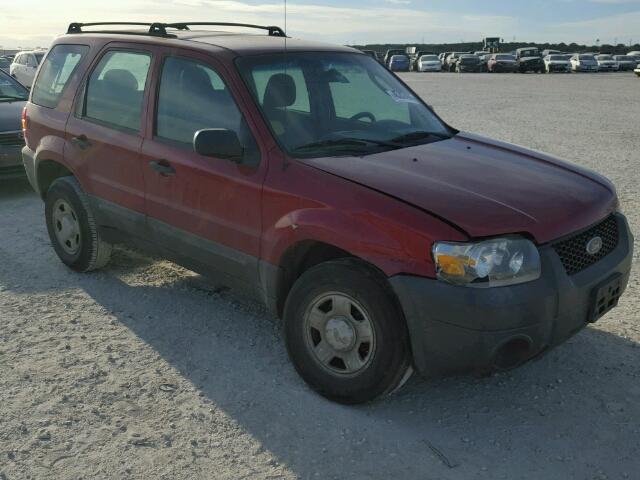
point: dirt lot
(144, 370)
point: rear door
(206, 210)
(104, 134)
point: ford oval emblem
(594, 245)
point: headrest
(280, 92)
(123, 79)
(195, 81)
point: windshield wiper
(345, 143)
(419, 135)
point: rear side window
(54, 75)
(115, 90)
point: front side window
(115, 91)
(192, 97)
(352, 104)
(60, 63)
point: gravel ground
(144, 370)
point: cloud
(340, 24)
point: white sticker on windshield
(401, 97)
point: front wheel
(72, 227)
(345, 333)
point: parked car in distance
(416, 58)
(25, 65)
(607, 63)
(635, 55)
(5, 63)
(385, 239)
(13, 98)
(584, 62)
(502, 62)
(529, 60)
(625, 62)
(429, 63)
(391, 53)
(399, 63)
(556, 63)
(468, 63)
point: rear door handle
(162, 167)
(81, 141)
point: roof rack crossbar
(274, 31)
(156, 29)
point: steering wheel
(368, 115)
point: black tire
(92, 251)
(390, 361)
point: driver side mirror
(218, 142)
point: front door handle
(162, 167)
(81, 141)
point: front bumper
(504, 67)
(430, 68)
(455, 328)
(469, 68)
(10, 162)
(586, 68)
(558, 68)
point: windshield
(336, 104)
(587, 57)
(604, 57)
(429, 58)
(10, 89)
(505, 57)
(529, 53)
(560, 58)
(624, 58)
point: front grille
(573, 251)
(12, 139)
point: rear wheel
(345, 334)
(72, 228)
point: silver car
(606, 63)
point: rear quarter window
(55, 73)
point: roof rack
(160, 29)
(273, 30)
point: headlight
(489, 263)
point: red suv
(314, 178)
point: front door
(104, 136)
(206, 210)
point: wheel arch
(47, 171)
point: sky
(31, 23)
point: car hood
(484, 187)
(10, 115)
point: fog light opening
(512, 353)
